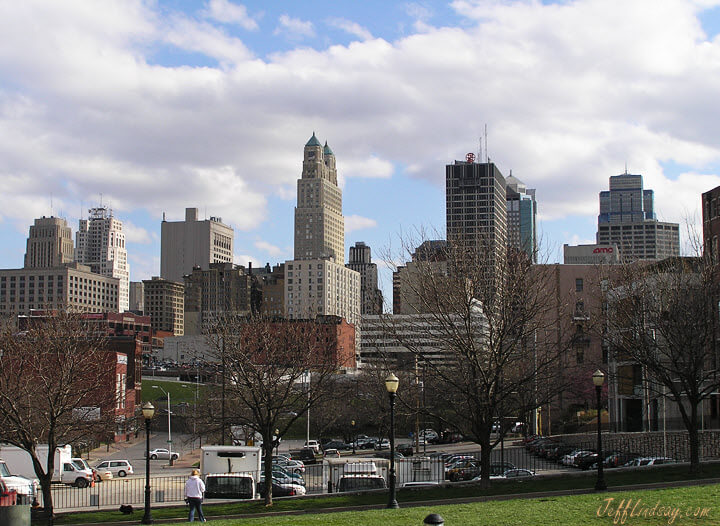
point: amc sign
(603, 250)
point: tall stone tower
(319, 223)
(49, 244)
(317, 283)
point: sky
(152, 106)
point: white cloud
(204, 38)
(269, 248)
(243, 259)
(570, 92)
(294, 28)
(356, 222)
(370, 167)
(350, 27)
(230, 13)
(136, 234)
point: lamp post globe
(391, 385)
(148, 411)
(598, 379)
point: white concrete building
(100, 244)
(316, 287)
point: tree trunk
(45, 484)
(694, 440)
(485, 454)
(267, 455)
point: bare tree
(476, 325)
(662, 322)
(265, 363)
(57, 386)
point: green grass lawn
(693, 505)
(178, 393)
(582, 481)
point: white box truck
(66, 471)
(231, 459)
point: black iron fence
(116, 492)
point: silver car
(163, 454)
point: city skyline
(154, 108)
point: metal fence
(112, 493)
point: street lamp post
(148, 411)
(170, 455)
(352, 425)
(598, 379)
(277, 441)
(391, 385)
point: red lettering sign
(603, 250)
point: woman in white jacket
(194, 490)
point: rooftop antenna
(487, 158)
(625, 167)
(101, 200)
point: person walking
(194, 490)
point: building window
(578, 285)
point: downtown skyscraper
(317, 282)
(100, 244)
(627, 219)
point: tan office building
(49, 244)
(165, 304)
(192, 243)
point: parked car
(383, 444)
(229, 486)
(119, 468)
(405, 449)
(331, 453)
(421, 484)
(337, 444)
(314, 445)
(163, 454)
(512, 474)
(650, 461)
(281, 490)
(498, 468)
(386, 454)
(366, 442)
(464, 470)
(615, 460)
(291, 465)
(360, 483)
(306, 455)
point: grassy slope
(581, 510)
(586, 480)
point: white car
(119, 468)
(163, 454)
(314, 445)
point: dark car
(229, 486)
(278, 490)
(498, 468)
(405, 449)
(306, 455)
(616, 460)
(337, 444)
